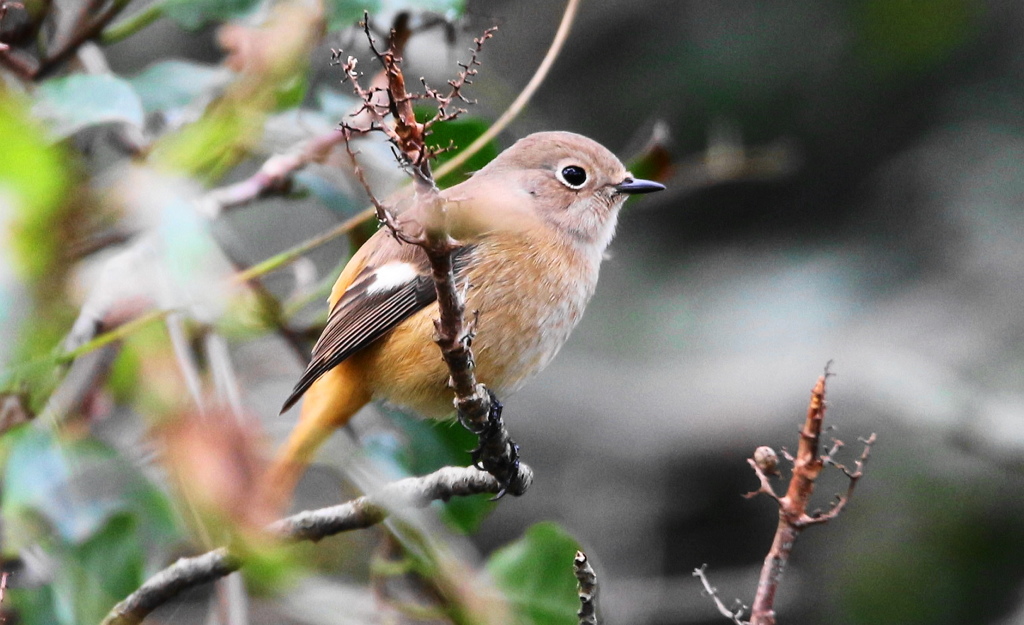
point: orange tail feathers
(328, 405)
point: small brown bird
(534, 222)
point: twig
(274, 176)
(448, 166)
(84, 31)
(313, 525)
(524, 96)
(587, 580)
(733, 615)
(3, 584)
(4, 5)
(478, 409)
(793, 516)
(131, 24)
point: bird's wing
(378, 299)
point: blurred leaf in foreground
(174, 83)
(99, 521)
(191, 14)
(70, 103)
(37, 219)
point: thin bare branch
(733, 615)
(510, 113)
(793, 516)
(274, 176)
(86, 30)
(313, 525)
(766, 486)
(524, 96)
(853, 477)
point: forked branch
(795, 504)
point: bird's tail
(328, 405)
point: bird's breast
(527, 295)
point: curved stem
(524, 97)
(131, 24)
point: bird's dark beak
(633, 186)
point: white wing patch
(390, 277)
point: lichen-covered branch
(586, 578)
(313, 525)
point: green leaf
(98, 520)
(191, 14)
(70, 103)
(34, 179)
(459, 134)
(209, 147)
(291, 91)
(174, 84)
(33, 175)
(344, 13)
(900, 37)
(34, 606)
(91, 577)
(536, 575)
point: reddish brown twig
(794, 505)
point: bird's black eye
(573, 176)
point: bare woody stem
(807, 467)
(313, 525)
(793, 507)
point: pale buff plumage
(537, 240)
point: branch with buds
(794, 517)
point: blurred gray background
(885, 235)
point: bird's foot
(497, 453)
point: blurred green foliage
(426, 446)
(103, 524)
(35, 179)
(899, 38)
